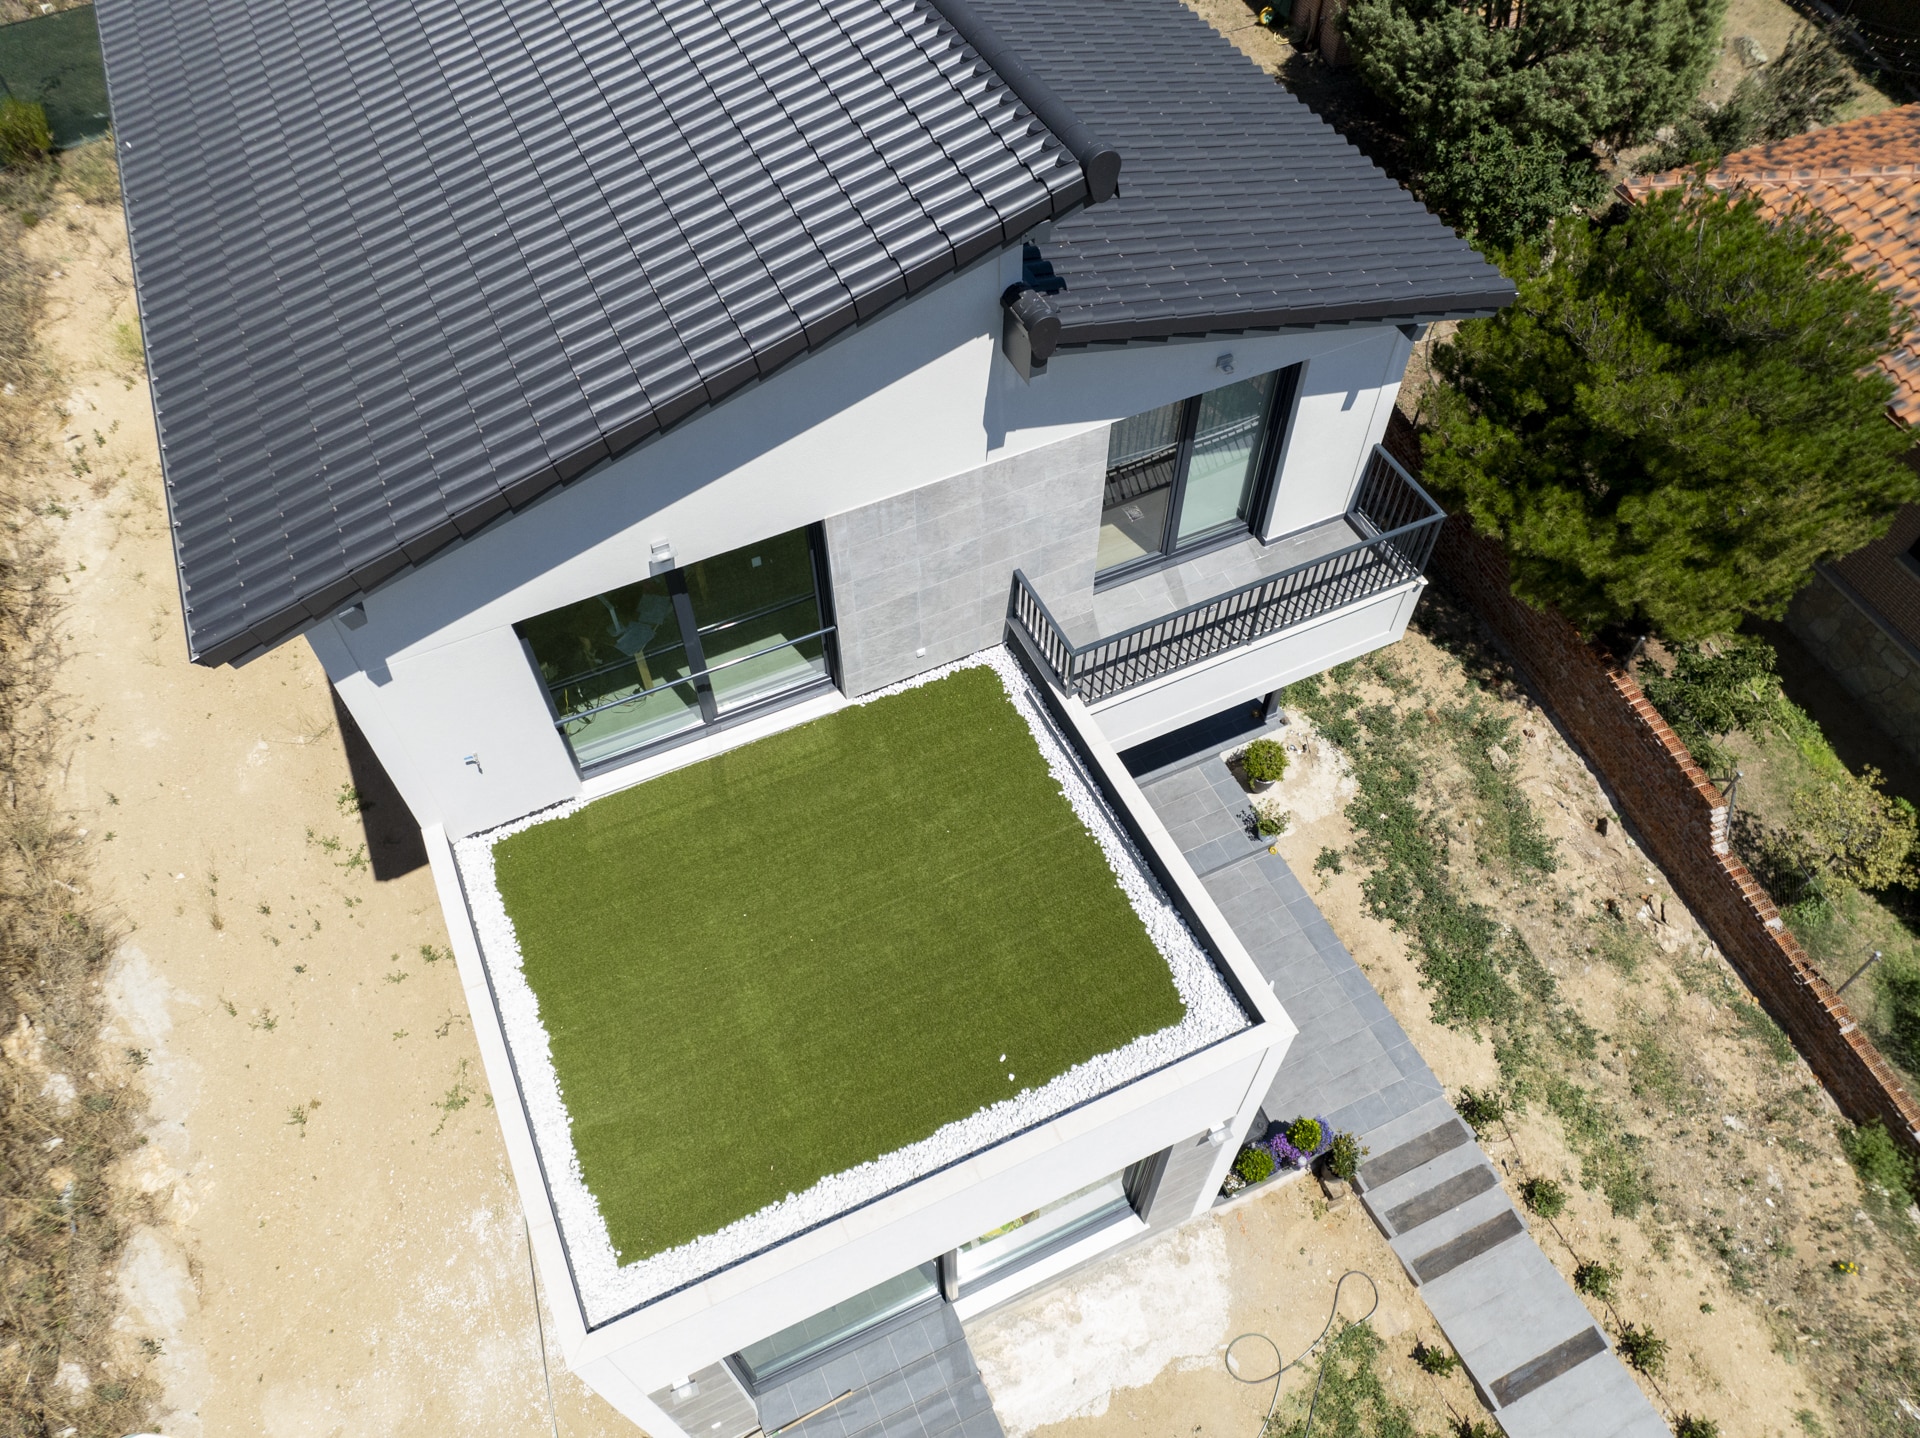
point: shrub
(1692, 1427)
(1595, 1280)
(1900, 982)
(1640, 1347)
(1344, 1155)
(1327, 861)
(1544, 1196)
(1805, 87)
(1265, 760)
(1708, 695)
(1502, 104)
(1254, 1164)
(1481, 1110)
(1271, 824)
(1879, 1160)
(1305, 1134)
(1436, 1361)
(1473, 1428)
(24, 136)
(1855, 833)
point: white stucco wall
(436, 673)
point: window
(686, 649)
(791, 1347)
(1190, 473)
(1049, 1228)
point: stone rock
(1749, 52)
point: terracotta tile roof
(1864, 175)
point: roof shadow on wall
(394, 846)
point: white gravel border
(606, 1287)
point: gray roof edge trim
(1099, 161)
(294, 618)
(1089, 335)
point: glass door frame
(1276, 422)
(712, 719)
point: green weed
(1348, 1400)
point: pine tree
(1678, 416)
(1504, 100)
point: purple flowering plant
(1285, 1152)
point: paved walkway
(912, 1378)
(1524, 1337)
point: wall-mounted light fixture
(661, 556)
(1225, 363)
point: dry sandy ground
(1736, 1139)
(1135, 1347)
(1748, 1141)
(342, 1251)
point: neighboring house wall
(854, 436)
(1862, 648)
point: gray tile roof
(1239, 208)
(405, 268)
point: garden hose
(1275, 1376)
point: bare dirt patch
(332, 1241)
(1135, 1347)
(1701, 1160)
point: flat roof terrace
(755, 992)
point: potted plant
(1271, 824)
(1299, 1143)
(1265, 763)
(1254, 1165)
(1341, 1163)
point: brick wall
(1681, 819)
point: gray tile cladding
(929, 570)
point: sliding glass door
(683, 650)
(1190, 473)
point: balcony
(1376, 551)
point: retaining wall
(1681, 819)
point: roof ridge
(1827, 172)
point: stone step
(1384, 1197)
(1540, 1370)
(1411, 1124)
(1450, 1225)
(1422, 1149)
(1504, 1309)
(1449, 1193)
(1595, 1399)
(1482, 1238)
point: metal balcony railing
(1399, 519)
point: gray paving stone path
(1529, 1344)
(914, 1378)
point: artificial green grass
(814, 949)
